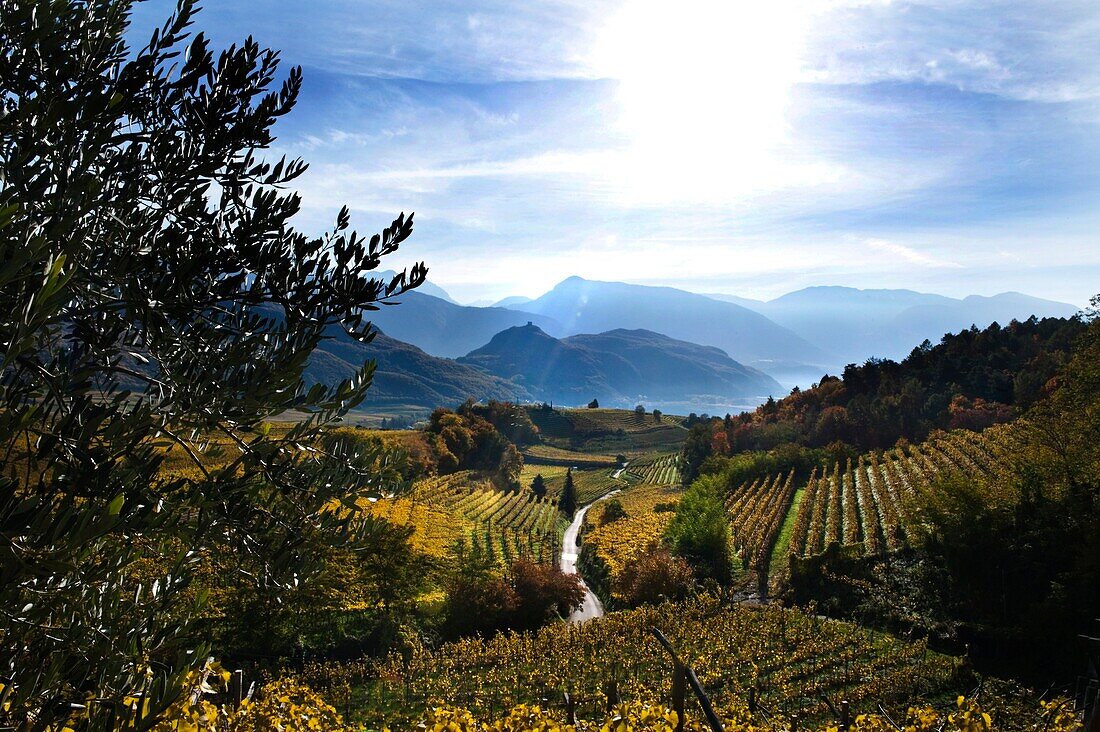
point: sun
(703, 89)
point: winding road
(591, 607)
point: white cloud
(1012, 48)
(909, 254)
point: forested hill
(619, 368)
(970, 379)
(405, 374)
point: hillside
(606, 431)
(588, 306)
(619, 368)
(970, 379)
(405, 374)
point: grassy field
(550, 455)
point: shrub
(612, 511)
(543, 592)
(655, 577)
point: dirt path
(591, 607)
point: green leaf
(115, 506)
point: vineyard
(756, 513)
(460, 510)
(550, 455)
(660, 470)
(610, 547)
(871, 502)
(795, 662)
(446, 511)
(590, 484)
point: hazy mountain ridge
(589, 306)
(447, 330)
(510, 353)
(619, 367)
(797, 337)
(860, 324)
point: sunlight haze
(743, 148)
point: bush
(482, 602)
(543, 592)
(655, 577)
(612, 511)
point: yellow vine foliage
(1055, 716)
(621, 541)
(284, 705)
(435, 528)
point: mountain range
(859, 324)
(405, 375)
(446, 329)
(795, 338)
(589, 306)
(624, 344)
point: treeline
(971, 379)
(480, 437)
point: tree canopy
(157, 304)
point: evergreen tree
(594, 404)
(568, 500)
(538, 486)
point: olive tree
(155, 299)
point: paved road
(591, 607)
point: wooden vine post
(683, 675)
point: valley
(657, 468)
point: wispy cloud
(1012, 48)
(909, 254)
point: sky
(748, 148)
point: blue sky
(751, 148)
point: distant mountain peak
(592, 306)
